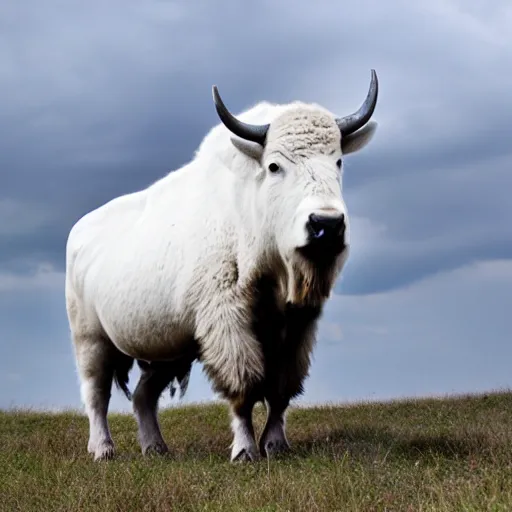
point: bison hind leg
(155, 377)
(98, 363)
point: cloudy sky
(102, 98)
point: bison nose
(326, 226)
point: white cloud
(45, 279)
(447, 333)
(330, 332)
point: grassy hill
(415, 455)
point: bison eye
(338, 163)
(273, 167)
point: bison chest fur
(287, 337)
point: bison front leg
(232, 356)
(287, 372)
(244, 447)
(273, 440)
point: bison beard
(310, 284)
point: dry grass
(451, 454)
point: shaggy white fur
(151, 271)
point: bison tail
(181, 379)
(122, 366)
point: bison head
(294, 187)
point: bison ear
(359, 139)
(248, 148)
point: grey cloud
(102, 100)
(427, 223)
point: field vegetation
(412, 455)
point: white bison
(227, 260)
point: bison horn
(349, 124)
(252, 132)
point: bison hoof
(103, 451)
(158, 448)
(245, 456)
(274, 447)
